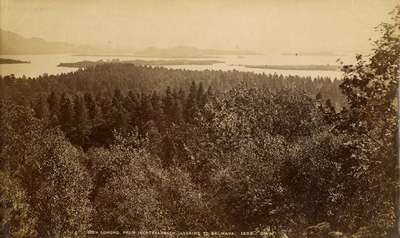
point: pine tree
(90, 105)
(181, 95)
(178, 112)
(191, 103)
(3, 127)
(54, 107)
(81, 122)
(119, 116)
(118, 98)
(132, 105)
(2, 89)
(210, 92)
(147, 109)
(66, 114)
(168, 104)
(158, 114)
(200, 96)
(41, 109)
(106, 106)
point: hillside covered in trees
(121, 147)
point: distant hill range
(13, 43)
(188, 52)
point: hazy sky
(265, 25)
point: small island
(84, 64)
(296, 67)
(12, 61)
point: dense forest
(89, 105)
(122, 147)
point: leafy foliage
(371, 87)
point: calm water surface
(41, 64)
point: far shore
(296, 67)
(83, 64)
(13, 61)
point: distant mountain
(13, 43)
(188, 52)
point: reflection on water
(41, 64)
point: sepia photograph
(199, 118)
